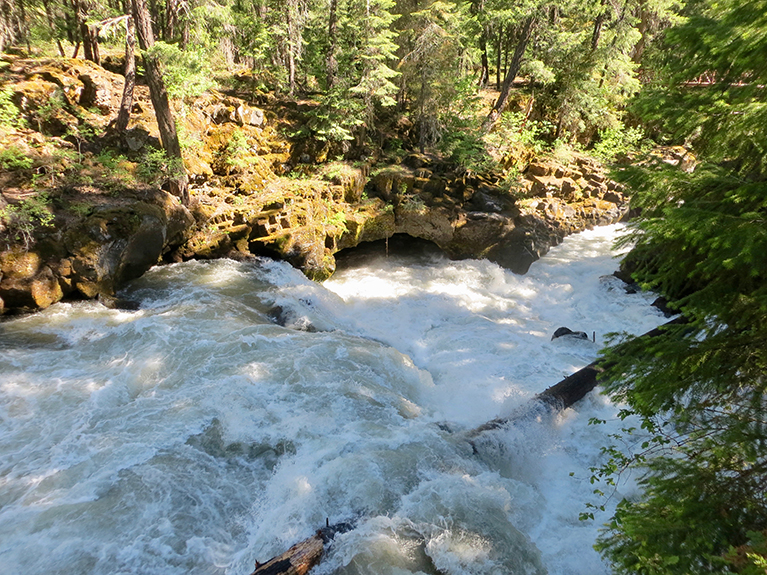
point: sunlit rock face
(467, 215)
(94, 255)
(254, 192)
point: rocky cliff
(83, 209)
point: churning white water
(197, 434)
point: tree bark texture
(516, 62)
(88, 33)
(304, 555)
(123, 116)
(157, 92)
(598, 23)
(498, 56)
(332, 62)
(52, 24)
(484, 75)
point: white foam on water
(197, 434)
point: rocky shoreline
(254, 191)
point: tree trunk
(564, 394)
(499, 49)
(516, 62)
(598, 23)
(24, 26)
(126, 103)
(52, 25)
(171, 19)
(332, 63)
(484, 75)
(92, 43)
(156, 20)
(644, 28)
(291, 50)
(158, 94)
(300, 558)
(478, 10)
(89, 34)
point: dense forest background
(613, 77)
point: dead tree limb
(564, 394)
(304, 555)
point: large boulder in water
(568, 333)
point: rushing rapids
(241, 405)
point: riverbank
(83, 208)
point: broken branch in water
(304, 555)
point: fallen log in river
(564, 394)
(300, 558)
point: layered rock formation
(99, 223)
(467, 215)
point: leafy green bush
(9, 113)
(516, 127)
(234, 149)
(157, 168)
(21, 219)
(336, 117)
(337, 220)
(13, 158)
(616, 142)
(466, 149)
(187, 73)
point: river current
(241, 405)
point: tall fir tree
(701, 238)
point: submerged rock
(567, 332)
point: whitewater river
(197, 434)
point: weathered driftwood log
(303, 555)
(562, 395)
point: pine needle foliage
(699, 389)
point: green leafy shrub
(466, 149)
(337, 220)
(235, 148)
(13, 158)
(187, 73)
(616, 142)
(21, 219)
(80, 209)
(9, 113)
(157, 168)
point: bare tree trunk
(644, 27)
(516, 62)
(567, 392)
(484, 75)
(499, 46)
(478, 9)
(332, 63)
(89, 34)
(291, 50)
(168, 136)
(126, 103)
(598, 23)
(171, 19)
(156, 20)
(24, 26)
(52, 25)
(299, 559)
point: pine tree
(701, 241)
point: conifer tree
(701, 241)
